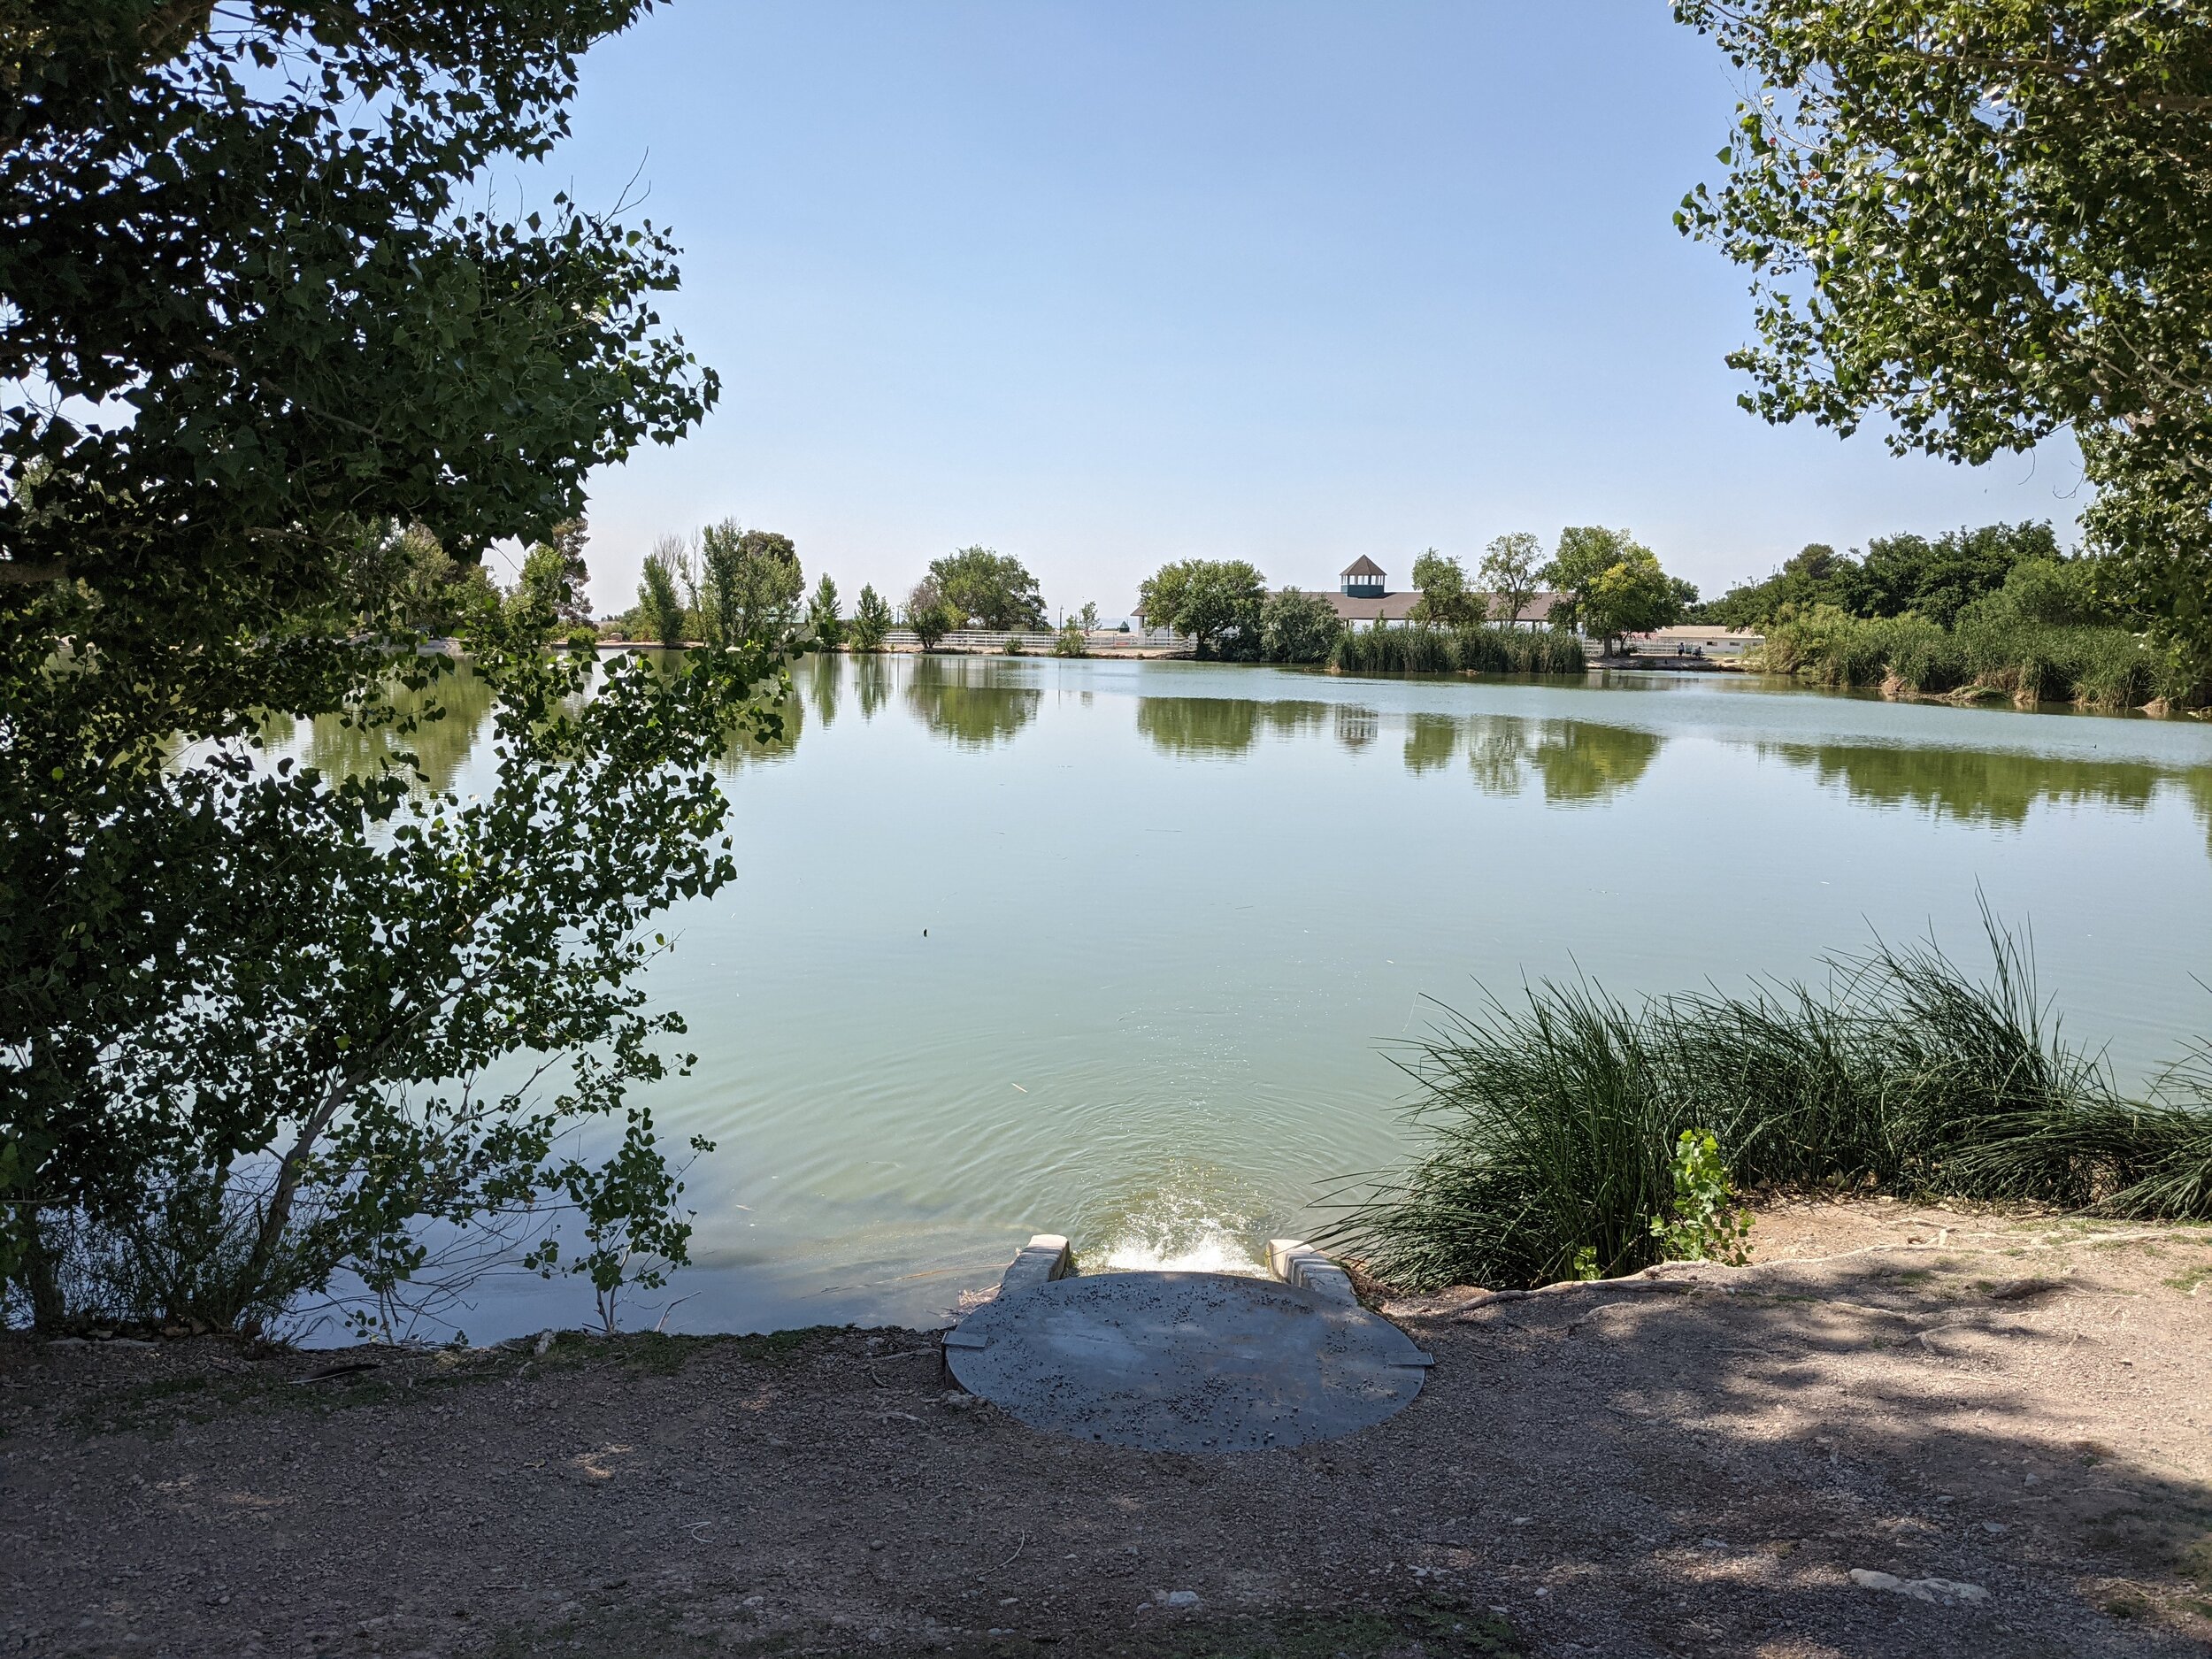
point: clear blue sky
(1102, 284)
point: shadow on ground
(2013, 1410)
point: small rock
(954, 1399)
(543, 1343)
(756, 1600)
(1176, 1598)
(1994, 1526)
(1940, 1592)
(2034, 1480)
(1518, 1520)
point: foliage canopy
(278, 379)
(1217, 602)
(988, 589)
(1985, 224)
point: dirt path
(2023, 1408)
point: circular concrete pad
(1185, 1362)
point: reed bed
(1993, 650)
(1475, 650)
(1550, 1121)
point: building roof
(1399, 607)
(1373, 607)
(1363, 567)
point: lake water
(1118, 949)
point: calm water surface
(1118, 949)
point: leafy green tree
(1087, 618)
(750, 586)
(824, 620)
(2061, 593)
(1938, 578)
(1631, 595)
(320, 331)
(540, 597)
(1585, 553)
(429, 589)
(1932, 577)
(311, 1105)
(871, 620)
(1217, 602)
(1298, 628)
(1983, 224)
(1509, 573)
(1815, 575)
(660, 605)
(567, 539)
(1445, 601)
(988, 589)
(930, 614)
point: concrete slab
(1043, 1259)
(1185, 1362)
(1296, 1263)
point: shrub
(2002, 643)
(1550, 1123)
(871, 620)
(1824, 643)
(1298, 628)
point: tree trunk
(50, 1309)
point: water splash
(1169, 1230)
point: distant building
(1363, 598)
(1694, 639)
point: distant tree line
(1998, 610)
(1934, 578)
(1606, 583)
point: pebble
(1176, 1598)
(1946, 1592)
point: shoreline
(1941, 1396)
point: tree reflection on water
(957, 698)
(1978, 786)
(1576, 761)
(448, 716)
(1223, 725)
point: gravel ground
(2017, 1410)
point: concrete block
(1043, 1259)
(1297, 1262)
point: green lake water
(1118, 949)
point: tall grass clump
(1999, 648)
(1482, 649)
(1551, 1122)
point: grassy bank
(1480, 651)
(1992, 651)
(1552, 1123)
